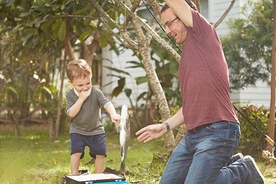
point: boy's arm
(74, 109)
(112, 112)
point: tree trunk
(197, 3)
(68, 47)
(89, 50)
(15, 122)
(144, 51)
(50, 125)
(63, 68)
(271, 128)
(69, 51)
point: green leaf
(105, 39)
(141, 80)
(117, 70)
(85, 35)
(80, 11)
(26, 38)
(116, 91)
(25, 14)
(62, 31)
(62, 7)
(10, 2)
(122, 82)
(119, 88)
(102, 41)
(141, 96)
(56, 24)
(45, 26)
(136, 64)
(128, 92)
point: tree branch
(225, 14)
(150, 31)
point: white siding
(258, 96)
(120, 62)
(218, 9)
(108, 58)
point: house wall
(120, 62)
(258, 96)
(217, 9)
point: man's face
(82, 84)
(174, 26)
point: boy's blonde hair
(78, 69)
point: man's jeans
(201, 157)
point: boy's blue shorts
(96, 144)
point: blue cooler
(103, 178)
(114, 182)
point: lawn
(32, 158)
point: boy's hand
(83, 95)
(116, 118)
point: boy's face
(81, 84)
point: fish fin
(119, 128)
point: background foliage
(248, 47)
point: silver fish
(124, 130)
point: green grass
(32, 158)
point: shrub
(252, 141)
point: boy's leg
(77, 149)
(97, 147)
(75, 163)
(99, 163)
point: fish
(124, 131)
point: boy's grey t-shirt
(87, 121)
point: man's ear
(70, 82)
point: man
(204, 155)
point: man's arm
(182, 10)
(176, 120)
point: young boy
(83, 104)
